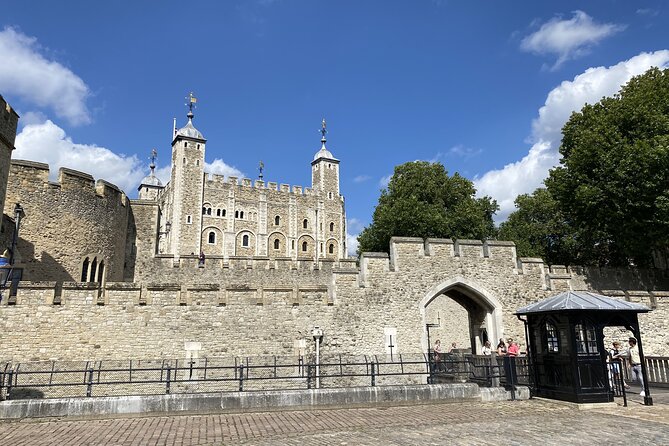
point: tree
(539, 229)
(613, 182)
(421, 200)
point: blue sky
(482, 87)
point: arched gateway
(480, 308)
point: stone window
(184, 160)
(197, 162)
(329, 166)
(208, 211)
(236, 214)
(92, 270)
(305, 223)
(185, 143)
(277, 244)
(321, 248)
(330, 195)
(189, 219)
(204, 210)
(245, 240)
(223, 212)
(331, 248)
(241, 215)
(304, 246)
(218, 212)
(198, 146)
(292, 245)
(331, 226)
(212, 238)
(277, 220)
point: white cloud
(219, 167)
(354, 226)
(361, 178)
(45, 83)
(48, 143)
(527, 174)
(568, 39)
(383, 182)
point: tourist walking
(635, 363)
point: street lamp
(168, 226)
(18, 215)
(317, 334)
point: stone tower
(186, 183)
(9, 120)
(331, 220)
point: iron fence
(55, 379)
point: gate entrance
(460, 311)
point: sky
(481, 87)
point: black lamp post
(18, 215)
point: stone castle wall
(246, 306)
(66, 221)
(8, 123)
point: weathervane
(191, 102)
(323, 130)
(154, 155)
(261, 166)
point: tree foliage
(612, 186)
(539, 229)
(421, 200)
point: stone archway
(483, 312)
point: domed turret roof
(324, 153)
(189, 130)
(151, 180)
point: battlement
(217, 180)
(35, 176)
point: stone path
(535, 422)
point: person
(614, 357)
(512, 349)
(635, 362)
(501, 348)
(486, 350)
(436, 354)
(201, 261)
(454, 346)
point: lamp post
(317, 333)
(18, 215)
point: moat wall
(251, 307)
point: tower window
(331, 226)
(197, 162)
(305, 223)
(184, 161)
(304, 246)
(329, 166)
(292, 245)
(185, 143)
(276, 244)
(331, 248)
(330, 195)
(218, 212)
(277, 220)
(241, 215)
(236, 214)
(198, 146)
(212, 237)
(84, 270)
(204, 210)
(223, 212)
(189, 219)
(245, 240)
(208, 211)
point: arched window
(223, 212)
(204, 210)
(185, 143)
(331, 248)
(212, 237)
(236, 214)
(304, 246)
(94, 269)
(277, 220)
(276, 244)
(218, 212)
(241, 215)
(305, 223)
(84, 270)
(331, 226)
(101, 270)
(245, 240)
(208, 211)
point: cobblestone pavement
(535, 422)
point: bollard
(373, 375)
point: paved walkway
(535, 422)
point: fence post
(10, 380)
(89, 382)
(373, 375)
(168, 380)
(309, 374)
(241, 378)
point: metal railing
(54, 379)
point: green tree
(421, 200)
(613, 182)
(539, 229)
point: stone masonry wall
(8, 124)
(66, 221)
(247, 306)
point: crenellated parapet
(221, 181)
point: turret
(151, 185)
(325, 169)
(186, 184)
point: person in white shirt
(635, 362)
